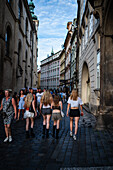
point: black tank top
(56, 107)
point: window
(8, 41)
(86, 35)
(91, 25)
(98, 69)
(19, 10)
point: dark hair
(56, 100)
(20, 93)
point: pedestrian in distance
(73, 103)
(46, 111)
(21, 101)
(29, 114)
(38, 96)
(9, 108)
(56, 107)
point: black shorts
(46, 111)
(74, 113)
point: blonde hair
(74, 95)
(28, 100)
(46, 98)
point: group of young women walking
(49, 107)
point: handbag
(62, 113)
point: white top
(75, 103)
(39, 95)
(48, 106)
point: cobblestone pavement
(91, 151)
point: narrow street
(91, 149)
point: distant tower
(52, 52)
(31, 8)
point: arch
(85, 83)
(8, 38)
(109, 19)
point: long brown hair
(46, 98)
(28, 100)
(56, 100)
(74, 95)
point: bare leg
(58, 124)
(48, 120)
(76, 124)
(18, 114)
(44, 120)
(9, 129)
(27, 124)
(71, 124)
(32, 122)
(6, 130)
(55, 122)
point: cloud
(53, 16)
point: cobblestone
(92, 150)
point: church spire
(52, 52)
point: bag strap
(9, 104)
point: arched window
(19, 52)
(19, 10)
(8, 41)
(26, 27)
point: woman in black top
(56, 114)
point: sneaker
(74, 137)
(10, 139)
(71, 134)
(6, 139)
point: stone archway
(85, 84)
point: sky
(53, 16)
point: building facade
(67, 47)
(50, 72)
(73, 44)
(39, 76)
(18, 44)
(104, 11)
(62, 69)
(89, 55)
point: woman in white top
(73, 102)
(46, 111)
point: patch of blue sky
(53, 16)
